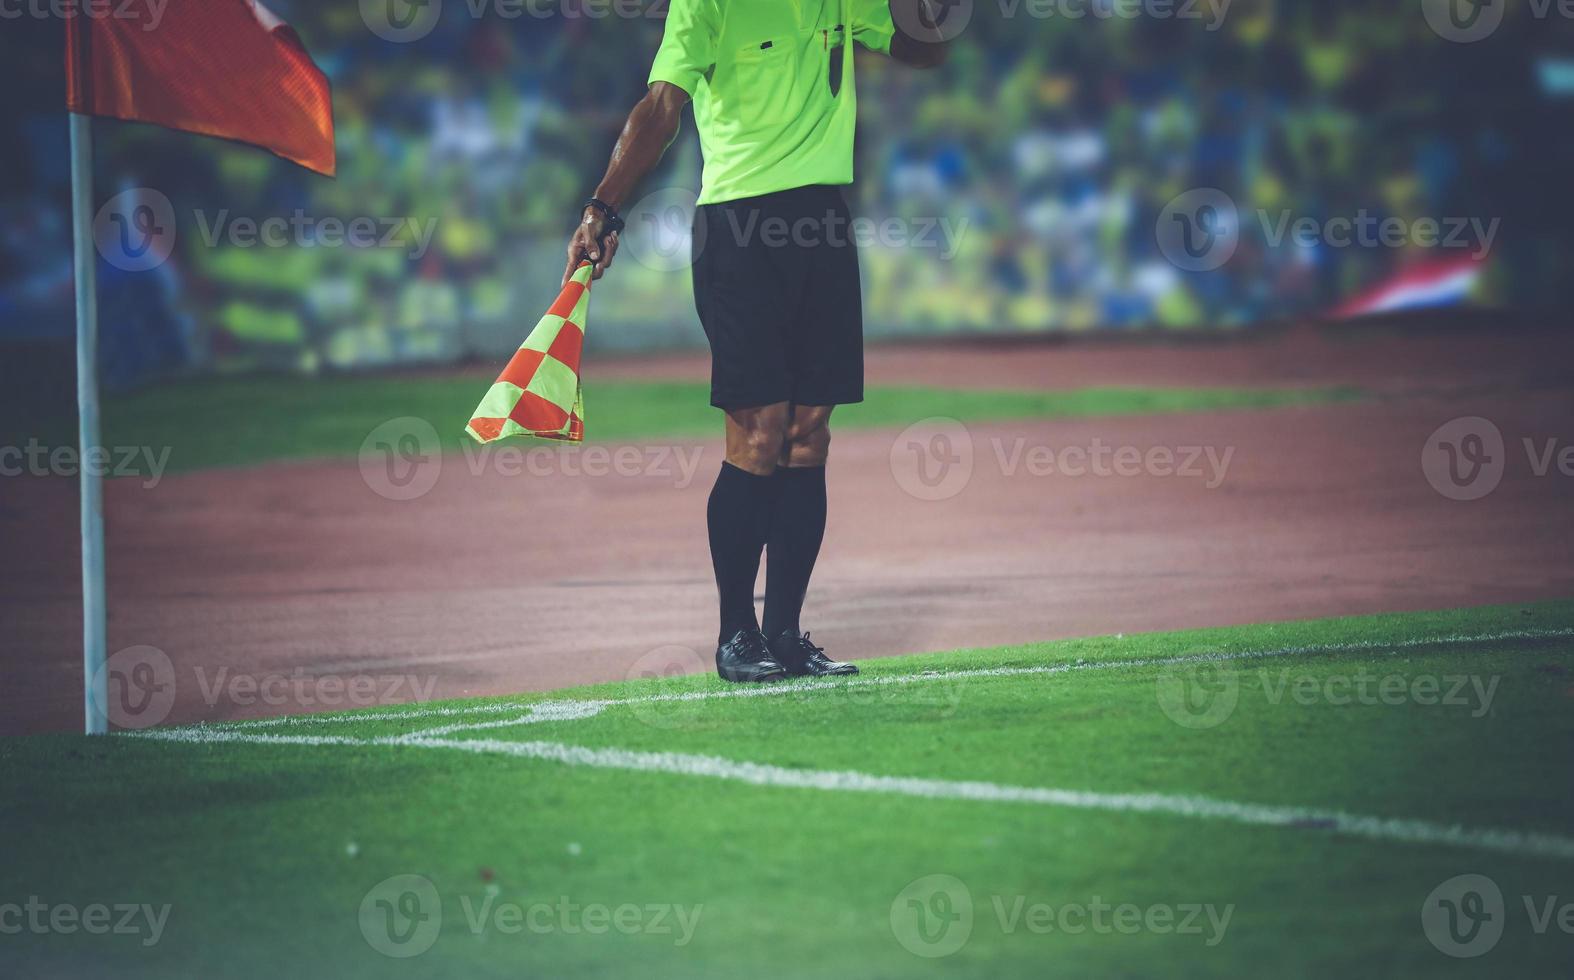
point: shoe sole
(741, 676)
(834, 673)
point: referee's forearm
(920, 38)
(650, 129)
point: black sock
(797, 528)
(738, 516)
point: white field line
(1392, 829)
(547, 710)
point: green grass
(242, 421)
(248, 842)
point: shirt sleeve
(872, 25)
(688, 45)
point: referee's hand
(589, 243)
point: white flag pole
(95, 681)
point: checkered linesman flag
(538, 393)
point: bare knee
(808, 441)
(756, 437)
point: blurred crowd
(1028, 177)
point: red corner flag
(227, 68)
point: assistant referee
(775, 272)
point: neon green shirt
(760, 74)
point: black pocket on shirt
(835, 39)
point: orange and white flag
(538, 393)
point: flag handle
(95, 680)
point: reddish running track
(301, 579)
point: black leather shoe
(804, 659)
(746, 658)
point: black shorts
(776, 286)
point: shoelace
(814, 651)
(755, 648)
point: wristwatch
(611, 221)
